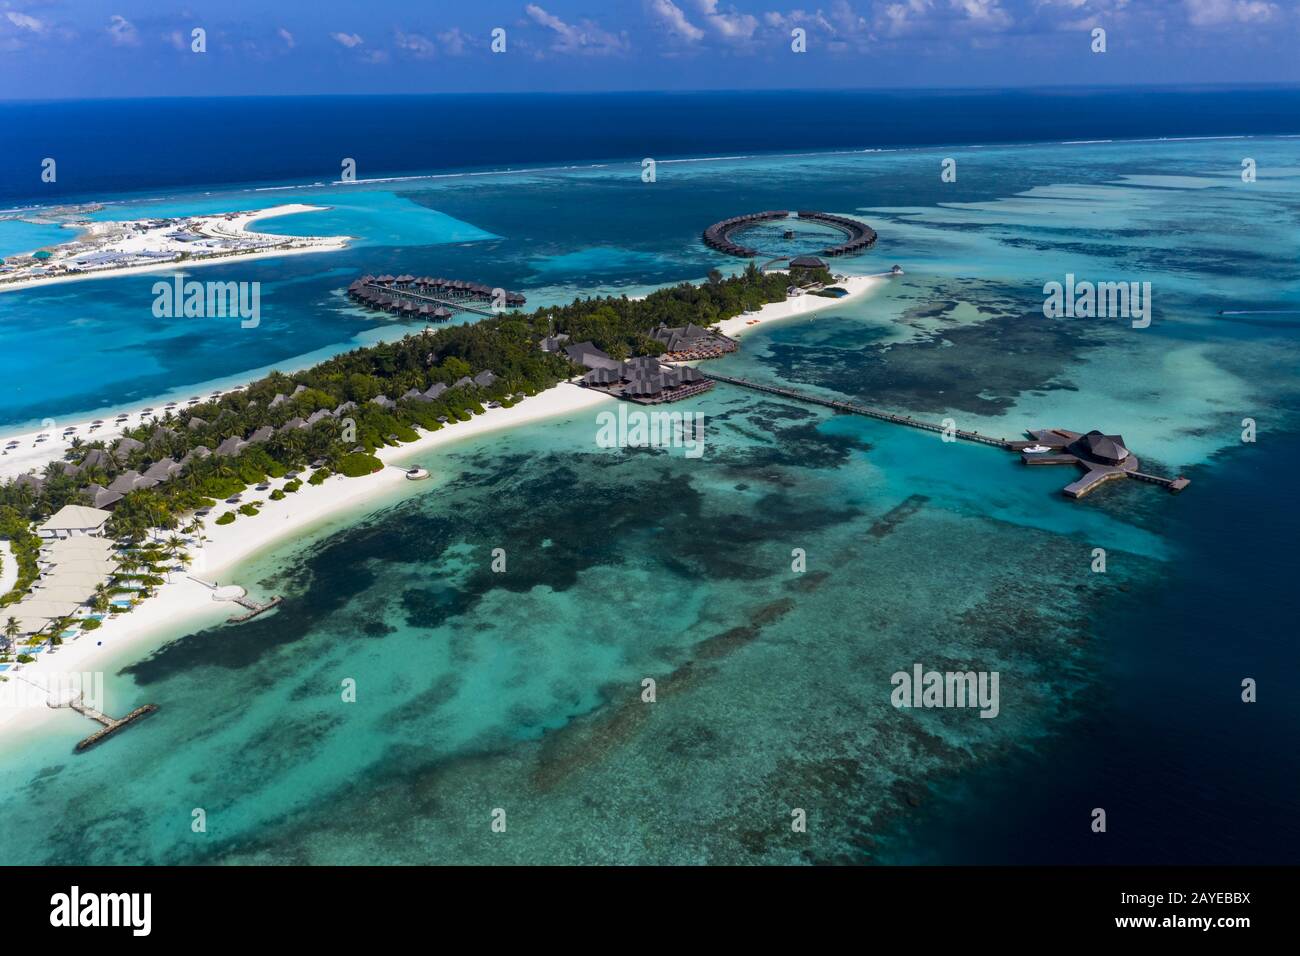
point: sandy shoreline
(237, 227)
(855, 286)
(182, 600)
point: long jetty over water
(859, 410)
(1094, 474)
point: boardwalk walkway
(849, 407)
(452, 304)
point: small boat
(416, 474)
(1036, 449)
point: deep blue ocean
(1121, 690)
(108, 147)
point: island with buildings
(102, 249)
(111, 514)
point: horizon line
(992, 88)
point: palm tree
(11, 632)
(100, 599)
(175, 548)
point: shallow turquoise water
(17, 236)
(521, 690)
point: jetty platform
(254, 608)
(111, 725)
(1103, 458)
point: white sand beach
(801, 305)
(183, 599)
(226, 227)
(32, 454)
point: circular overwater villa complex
(857, 235)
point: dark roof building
(586, 353)
(1094, 446)
(231, 446)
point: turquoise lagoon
(522, 690)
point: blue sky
(92, 48)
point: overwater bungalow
(433, 299)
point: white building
(74, 521)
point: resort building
(691, 342)
(586, 354)
(1102, 457)
(73, 521)
(647, 381)
(71, 570)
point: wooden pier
(1094, 476)
(254, 608)
(111, 725)
(852, 409)
(243, 600)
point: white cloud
(121, 31)
(901, 17)
(729, 25)
(987, 13)
(286, 36)
(415, 44)
(349, 40)
(1204, 13)
(674, 20)
(800, 18)
(586, 37)
(453, 41)
(25, 22)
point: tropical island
(165, 487)
(104, 249)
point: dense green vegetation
(506, 345)
(358, 464)
(25, 546)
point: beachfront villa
(690, 342)
(644, 380)
(71, 569)
(74, 521)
